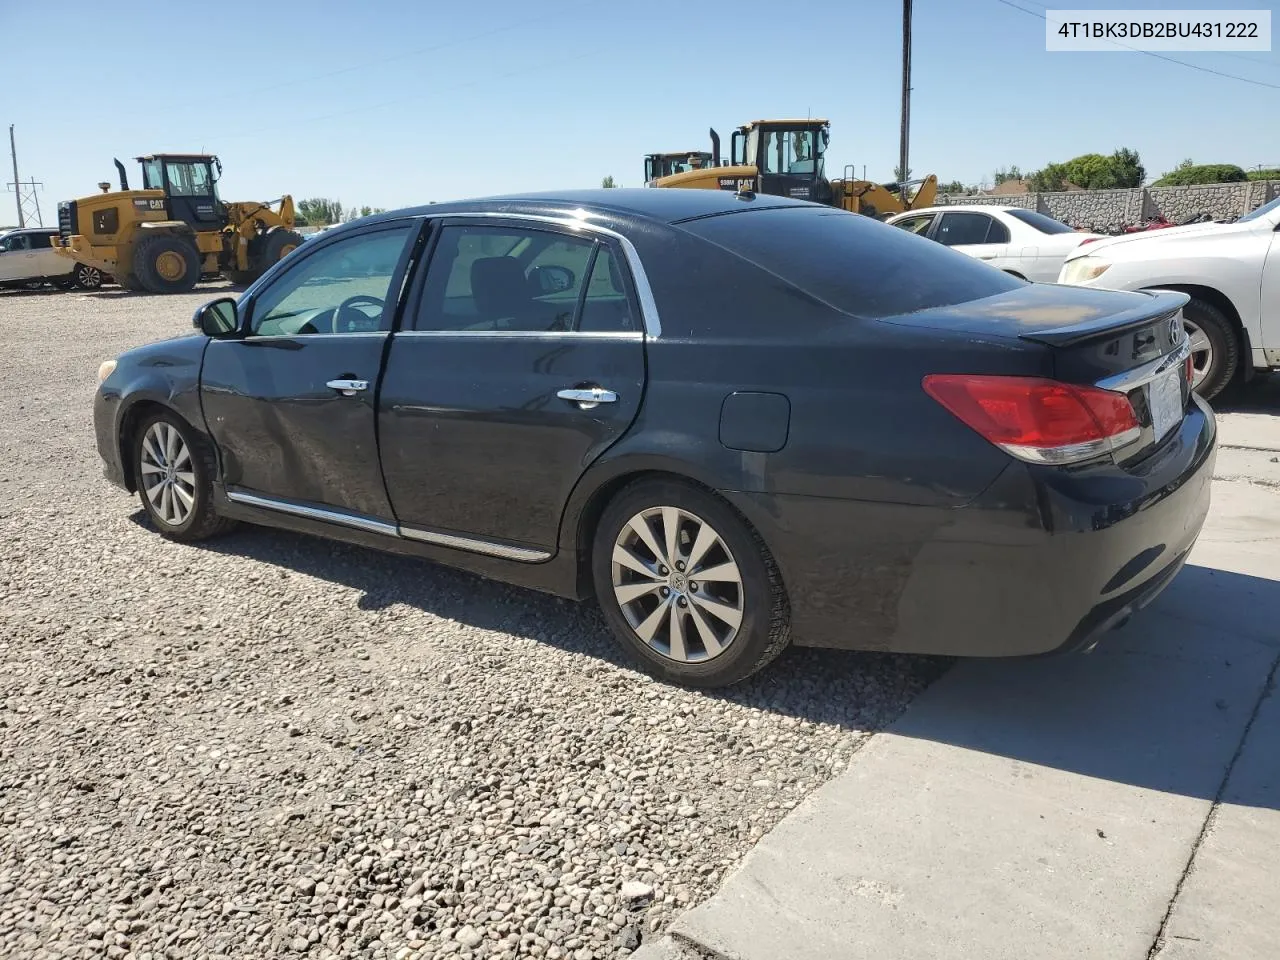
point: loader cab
(789, 157)
(190, 185)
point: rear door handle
(348, 388)
(587, 397)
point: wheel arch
(1220, 300)
(594, 494)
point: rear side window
(854, 263)
(1040, 221)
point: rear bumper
(1044, 560)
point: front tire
(1215, 349)
(166, 264)
(174, 469)
(280, 242)
(688, 588)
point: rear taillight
(1038, 420)
(1089, 240)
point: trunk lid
(1132, 343)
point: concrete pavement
(1120, 806)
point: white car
(1018, 241)
(1230, 270)
(28, 260)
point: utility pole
(17, 184)
(28, 201)
(904, 171)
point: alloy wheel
(1201, 353)
(89, 277)
(167, 476)
(677, 584)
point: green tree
(1092, 171)
(1185, 176)
(899, 176)
(1002, 175)
(607, 183)
(321, 211)
(954, 186)
(1272, 173)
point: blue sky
(392, 103)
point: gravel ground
(272, 745)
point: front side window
(344, 287)
(962, 228)
(504, 279)
(917, 225)
(15, 242)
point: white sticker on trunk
(1165, 400)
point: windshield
(1040, 221)
(1262, 211)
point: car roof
(960, 208)
(660, 204)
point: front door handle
(587, 397)
(348, 388)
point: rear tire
(87, 277)
(174, 469)
(1215, 349)
(166, 264)
(703, 633)
(241, 278)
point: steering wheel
(340, 325)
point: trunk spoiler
(1162, 305)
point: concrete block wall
(1112, 209)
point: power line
(1158, 56)
(378, 61)
(555, 63)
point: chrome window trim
(358, 521)
(313, 336)
(474, 545)
(525, 334)
(1141, 376)
(644, 292)
(399, 531)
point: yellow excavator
(176, 229)
(787, 158)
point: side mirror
(217, 318)
(553, 278)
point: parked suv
(27, 259)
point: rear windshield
(1040, 221)
(854, 263)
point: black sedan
(737, 421)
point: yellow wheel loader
(165, 237)
(787, 158)
(659, 165)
